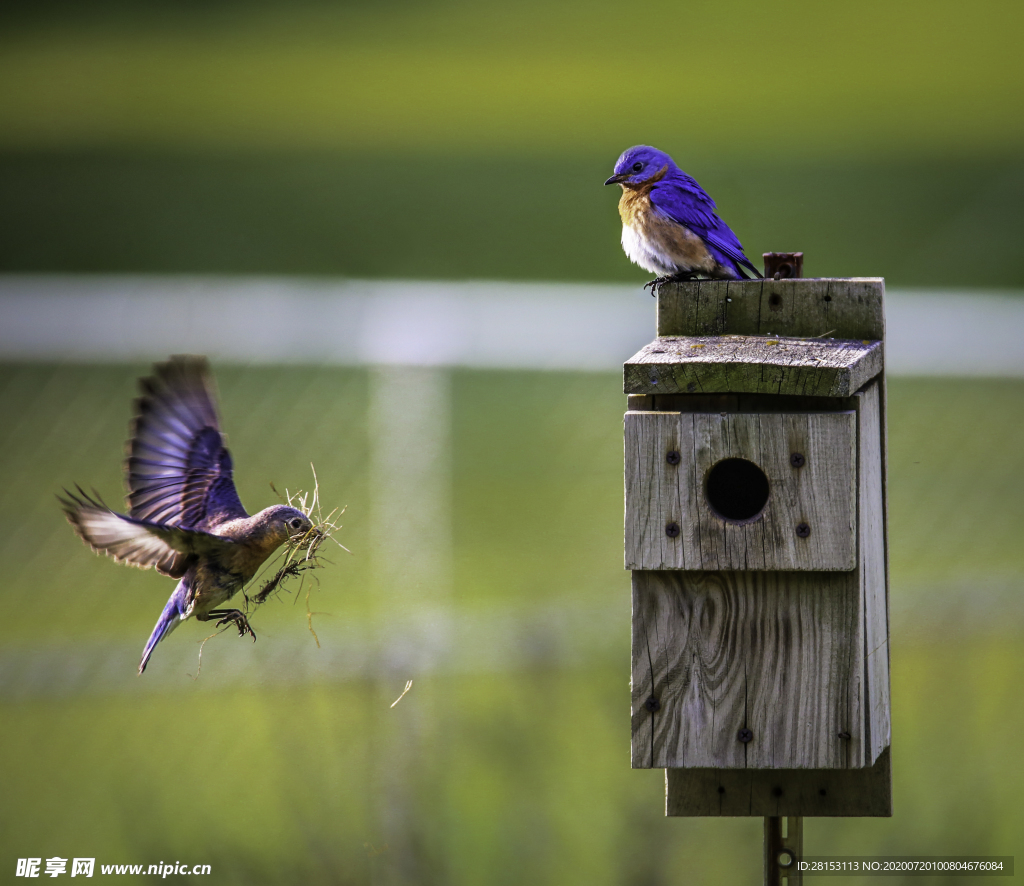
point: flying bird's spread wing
(685, 201)
(179, 472)
(141, 543)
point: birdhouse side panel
(873, 568)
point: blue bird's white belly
(646, 253)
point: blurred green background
(453, 140)
(441, 138)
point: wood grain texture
(752, 364)
(821, 493)
(758, 792)
(775, 652)
(849, 308)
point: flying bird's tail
(170, 618)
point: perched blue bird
(184, 516)
(669, 224)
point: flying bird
(669, 223)
(184, 516)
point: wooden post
(755, 531)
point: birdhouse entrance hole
(737, 490)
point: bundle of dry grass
(302, 555)
(297, 559)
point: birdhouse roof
(753, 364)
(808, 336)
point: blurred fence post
(410, 519)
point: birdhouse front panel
(751, 491)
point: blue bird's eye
(296, 523)
(637, 166)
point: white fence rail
(474, 323)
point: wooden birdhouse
(755, 531)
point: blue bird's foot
(227, 616)
(680, 277)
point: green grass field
(507, 775)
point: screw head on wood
(654, 379)
(797, 460)
(803, 530)
(673, 458)
(745, 735)
(653, 705)
(672, 530)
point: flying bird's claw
(228, 616)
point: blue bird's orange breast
(655, 241)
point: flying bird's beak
(617, 179)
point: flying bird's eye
(637, 166)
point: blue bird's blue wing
(142, 543)
(683, 200)
(179, 472)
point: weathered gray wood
(754, 792)
(848, 308)
(873, 571)
(773, 652)
(753, 364)
(820, 494)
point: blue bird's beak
(617, 179)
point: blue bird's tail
(170, 618)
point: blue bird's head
(281, 523)
(638, 165)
